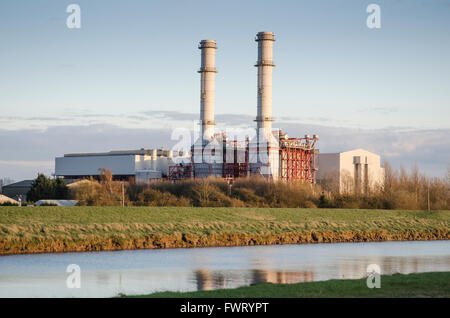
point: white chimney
(208, 72)
(265, 64)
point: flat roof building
(140, 165)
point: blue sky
(133, 59)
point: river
(106, 274)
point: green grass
(398, 285)
(32, 229)
(170, 220)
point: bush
(346, 201)
(48, 204)
(152, 197)
(207, 192)
(247, 197)
(88, 193)
(310, 205)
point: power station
(260, 151)
(263, 151)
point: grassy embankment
(58, 229)
(398, 285)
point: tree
(47, 188)
(61, 189)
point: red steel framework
(297, 159)
(180, 172)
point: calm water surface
(105, 274)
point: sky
(128, 76)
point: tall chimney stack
(208, 72)
(265, 64)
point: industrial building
(354, 171)
(141, 165)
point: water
(106, 274)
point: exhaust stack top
(265, 64)
(208, 72)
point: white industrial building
(140, 165)
(351, 171)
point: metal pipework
(265, 64)
(208, 72)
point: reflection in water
(204, 280)
(281, 277)
(106, 274)
(348, 268)
(209, 280)
(102, 278)
(356, 268)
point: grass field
(398, 285)
(59, 229)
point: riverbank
(398, 285)
(76, 229)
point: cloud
(24, 152)
(26, 163)
(297, 119)
(429, 149)
(381, 110)
(156, 119)
(170, 115)
(234, 120)
(19, 170)
(221, 119)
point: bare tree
(415, 180)
(203, 190)
(347, 182)
(448, 174)
(330, 181)
(390, 178)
